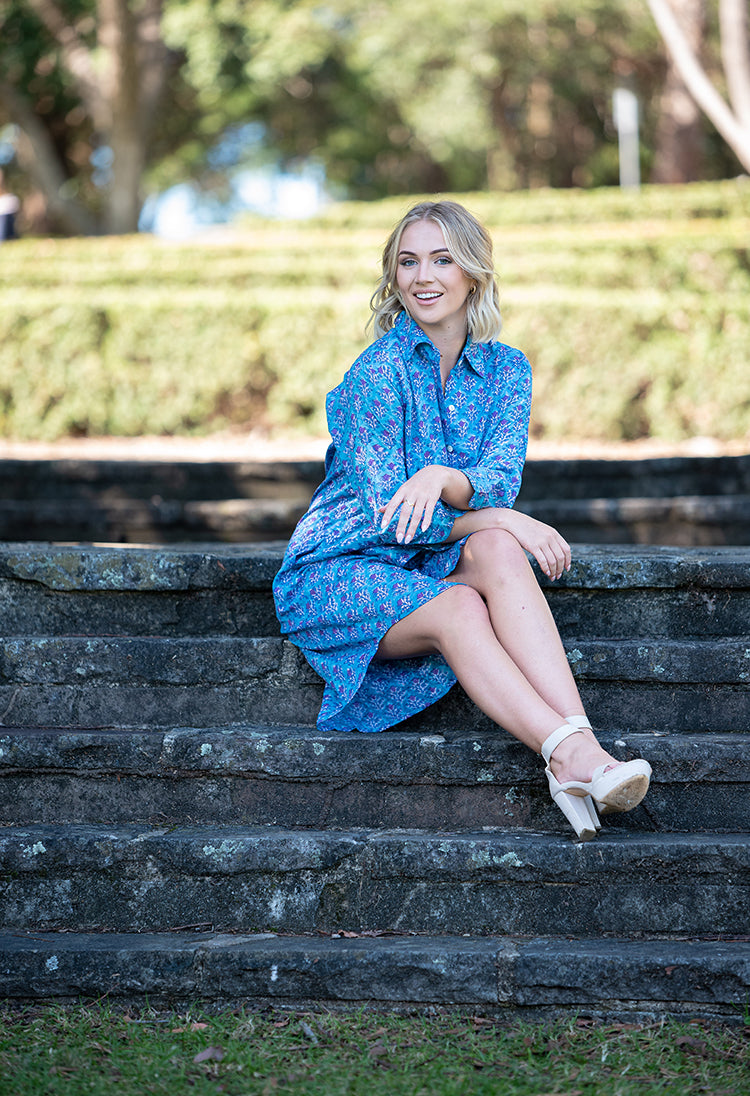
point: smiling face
(432, 285)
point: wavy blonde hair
(469, 245)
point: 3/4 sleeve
(496, 479)
(367, 421)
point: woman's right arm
(366, 415)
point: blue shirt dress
(343, 582)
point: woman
(409, 570)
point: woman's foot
(578, 757)
(583, 769)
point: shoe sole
(625, 796)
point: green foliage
(97, 1051)
(634, 309)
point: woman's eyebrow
(437, 251)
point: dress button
(450, 448)
(451, 407)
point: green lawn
(95, 1050)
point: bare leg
(495, 565)
(500, 640)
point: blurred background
(194, 196)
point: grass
(97, 1050)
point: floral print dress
(343, 582)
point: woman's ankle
(577, 757)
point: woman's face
(432, 285)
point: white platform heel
(619, 788)
(628, 794)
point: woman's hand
(546, 545)
(418, 497)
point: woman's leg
(494, 564)
(500, 640)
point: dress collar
(411, 335)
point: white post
(625, 110)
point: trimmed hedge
(634, 308)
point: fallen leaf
(190, 1027)
(692, 1045)
(210, 1054)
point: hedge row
(635, 327)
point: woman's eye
(445, 260)
(408, 262)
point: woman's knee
(493, 554)
(457, 610)
(460, 610)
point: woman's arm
(366, 416)
(419, 495)
(545, 544)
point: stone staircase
(690, 501)
(174, 827)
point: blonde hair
(469, 244)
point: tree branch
(735, 55)
(698, 83)
(76, 57)
(43, 164)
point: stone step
(113, 481)
(225, 590)
(602, 979)
(245, 879)
(152, 521)
(653, 477)
(116, 590)
(683, 500)
(612, 978)
(298, 777)
(80, 681)
(687, 520)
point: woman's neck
(450, 346)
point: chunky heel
(619, 788)
(578, 809)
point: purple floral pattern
(343, 582)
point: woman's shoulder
(496, 355)
(382, 356)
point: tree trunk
(679, 133)
(117, 38)
(120, 94)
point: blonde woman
(410, 570)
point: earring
(472, 291)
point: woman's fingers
(415, 502)
(553, 555)
(549, 549)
